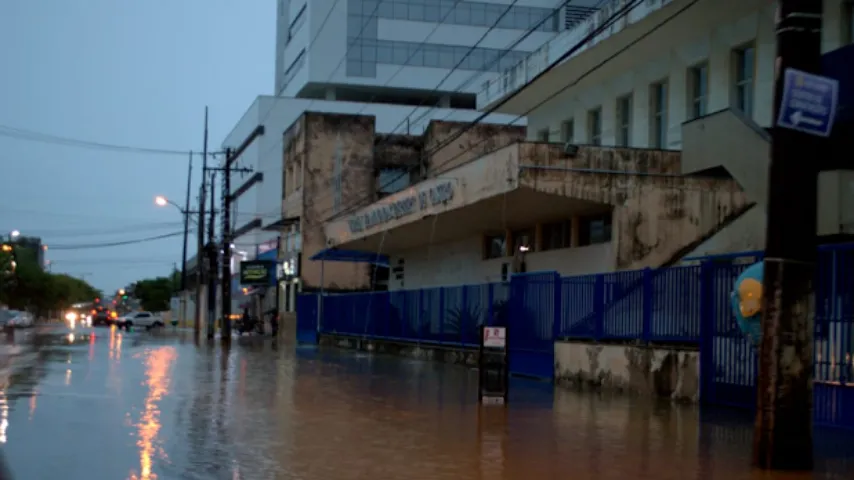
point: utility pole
(226, 247)
(186, 234)
(227, 169)
(783, 436)
(213, 256)
(200, 262)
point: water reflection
(158, 366)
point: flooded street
(113, 405)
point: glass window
(594, 126)
(385, 53)
(523, 239)
(462, 14)
(392, 180)
(416, 12)
(401, 11)
(431, 13)
(354, 68)
(624, 121)
(400, 53)
(557, 235)
(595, 229)
(478, 14)
(543, 135)
(431, 56)
(494, 246)
(658, 100)
(698, 78)
(567, 131)
(744, 70)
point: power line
(587, 38)
(116, 244)
(89, 232)
(33, 136)
(495, 61)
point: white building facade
(653, 133)
(405, 61)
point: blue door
(534, 303)
(307, 318)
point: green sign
(257, 272)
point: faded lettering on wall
(402, 207)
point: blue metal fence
(685, 304)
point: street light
(14, 234)
(162, 201)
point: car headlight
(71, 316)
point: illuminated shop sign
(402, 207)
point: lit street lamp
(14, 234)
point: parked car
(140, 319)
(16, 318)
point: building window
(595, 229)
(523, 239)
(567, 131)
(594, 126)
(745, 61)
(494, 246)
(698, 86)
(392, 180)
(543, 135)
(658, 100)
(557, 235)
(298, 21)
(624, 121)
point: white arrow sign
(798, 117)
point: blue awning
(352, 256)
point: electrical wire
(465, 83)
(91, 232)
(616, 16)
(116, 244)
(33, 136)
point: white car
(147, 320)
(16, 318)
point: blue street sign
(809, 103)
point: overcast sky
(136, 73)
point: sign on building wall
(402, 206)
(258, 273)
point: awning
(352, 256)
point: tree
(29, 287)
(154, 294)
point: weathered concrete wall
(658, 215)
(646, 371)
(398, 151)
(327, 139)
(459, 356)
(475, 142)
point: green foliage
(154, 294)
(29, 287)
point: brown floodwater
(156, 406)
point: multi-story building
(365, 166)
(646, 145)
(402, 62)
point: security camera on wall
(570, 149)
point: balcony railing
(517, 77)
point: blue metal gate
(307, 318)
(534, 303)
(728, 359)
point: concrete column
(538, 237)
(330, 94)
(445, 101)
(574, 232)
(508, 240)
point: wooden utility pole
(200, 254)
(783, 437)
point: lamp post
(162, 201)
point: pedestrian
(274, 321)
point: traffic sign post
(494, 372)
(809, 103)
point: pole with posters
(494, 373)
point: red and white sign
(495, 337)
